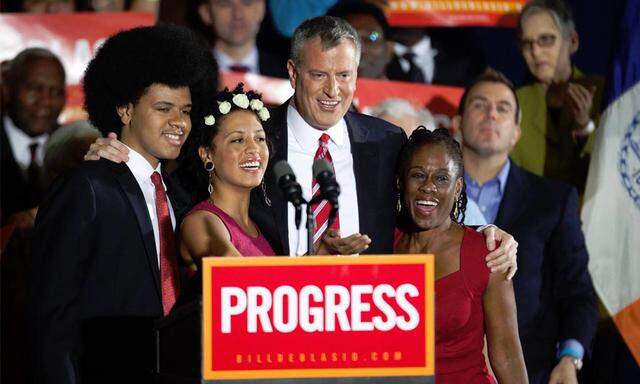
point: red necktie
(321, 210)
(168, 264)
(239, 68)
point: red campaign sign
(277, 318)
(452, 13)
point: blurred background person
(372, 26)
(34, 94)
(448, 56)
(233, 26)
(66, 148)
(560, 105)
(403, 114)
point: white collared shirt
(303, 141)
(250, 61)
(424, 58)
(142, 172)
(20, 142)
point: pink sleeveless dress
(241, 240)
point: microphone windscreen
(282, 168)
(321, 165)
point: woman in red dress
(471, 302)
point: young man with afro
(104, 251)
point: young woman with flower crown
(233, 156)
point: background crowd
(529, 180)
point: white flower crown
(242, 101)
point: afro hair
(131, 61)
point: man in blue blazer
(556, 302)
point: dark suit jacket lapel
(512, 204)
(364, 156)
(139, 208)
(275, 227)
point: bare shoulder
(204, 225)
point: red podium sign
(367, 318)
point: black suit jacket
(451, 68)
(95, 281)
(554, 293)
(13, 188)
(375, 145)
(272, 65)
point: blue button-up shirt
(489, 195)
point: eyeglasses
(543, 41)
(373, 37)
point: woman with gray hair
(561, 106)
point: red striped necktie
(322, 209)
(168, 264)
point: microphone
(329, 188)
(291, 189)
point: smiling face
(38, 98)
(324, 82)
(239, 151)
(544, 48)
(488, 123)
(158, 124)
(432, 182)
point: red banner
(318, 317)
(73, 37)
(451, 13)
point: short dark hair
(490, 75)
(19, 65)
(131, 61)
(331, 30)
(358, 7)
(419, 138)
(559, 11)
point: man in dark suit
(556, 302)
(323, 71)
(442, 57)
(234, 25)
(34, 93)
(104, 262)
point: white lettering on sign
(315, 310)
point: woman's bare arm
(203, 234)
(501, 327)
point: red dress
(460, 316)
